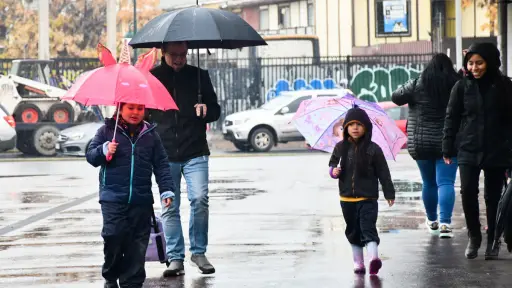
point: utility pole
(458, 32)
(111, 26)
(134, 25)
(44, 30)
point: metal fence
(243, 84)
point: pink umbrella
(121, 82)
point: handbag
(156, 246)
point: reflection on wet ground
(272, 224)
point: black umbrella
(503, 221)
(200, 28)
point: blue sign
(395, 17)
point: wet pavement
(275, 222)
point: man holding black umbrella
(183, 134)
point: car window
(394, 113)
(294, 106)
(2, 109)
(405, 112)
(326, 95)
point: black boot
(493, 250)
(111, 284)
(473, 246)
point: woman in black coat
(427, 98)
(478, 127)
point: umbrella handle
(109, 156)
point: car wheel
(262, 140)
(244, 147)
(45, 139)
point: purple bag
(156, 246)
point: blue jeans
(195, 172)
(438, 188)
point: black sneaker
(175, 268)
(201, 262)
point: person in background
(362, 166)
(183, 134)
(427, 98)
(126, 199)
(478, 126)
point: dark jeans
(361, 220)
(493, 185)
(126, 230)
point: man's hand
(391, 202)
(336, 171)
(447, 161)
(198, 109)
(167, 202)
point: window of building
(392, 18)
(311, 15)
(264, 25)
(3, 31)
(284, 16)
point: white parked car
(7, 130)
(263, 128)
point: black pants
(361, 220)
(125, 233)
(493, 185)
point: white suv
(261, 129)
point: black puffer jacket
(425, 121)
(476, 128)
(478, 117)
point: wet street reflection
(274, 222)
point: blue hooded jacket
(126, 178)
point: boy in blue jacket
(127, 165)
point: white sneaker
(445, 231)
(432, 226)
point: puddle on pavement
(234, 193)
(37, 196)
(228, 180)
(71, 219)
(402, 185)
(71, 178)
(36, 232)
(82, 211)
(21, 176)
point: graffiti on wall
(376, 84)
(369, 83)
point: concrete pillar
(111, 26)
(44, 30)
(458, 32)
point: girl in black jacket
(477, 127)
(362, 166)
(427, 98)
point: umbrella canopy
(503, 222)
(121, 83)
(320, 121)
(200, 27)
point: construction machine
(30, 93)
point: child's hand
(167, 202)
(336, 171)
(391, 202)
(112, 147)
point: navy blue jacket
(127, 177)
